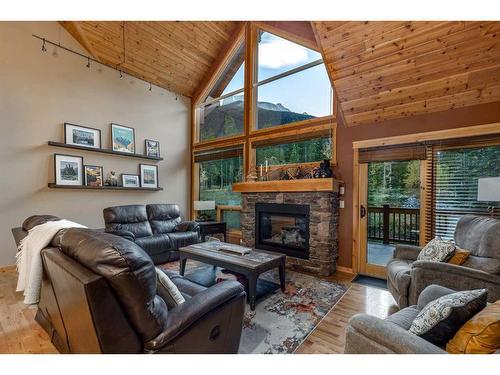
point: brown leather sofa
(157, 228)
(100, 295)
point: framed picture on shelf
(149, 175)
(82, 136)
(93, 175)
(123, 138)
(152, 148)
(68, 169)
(130, 180)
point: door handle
(362, 211)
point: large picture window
(292, 83)
(221, 113)
(307, 151)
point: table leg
(252, 291)
(282, 276)
(182, 266)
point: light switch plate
(342, 190)
(341, 204)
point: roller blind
(218, 154)
(409, 152)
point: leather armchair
(407, 277)
(157, 228)
(100, 295)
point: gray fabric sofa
(367, 334)
(407, 277)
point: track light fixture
(88, 62)
(43, 46)
(121, 75)
(150, 87)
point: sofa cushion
(459, 256)
(480, 335)
(127, 268)
(489, 265)
(397, 270)
(181, 239)
(186, 287)
(440, 319)
(163, 217)
(480, 235)
(168, 290)
(437, 250)
(132, 218)
(155, 244)
(404, 318)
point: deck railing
(394, 224)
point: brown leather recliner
(100, 295)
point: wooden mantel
(312, 184)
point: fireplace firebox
(283, 228)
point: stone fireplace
(303, 225)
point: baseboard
(8, 268)
(345, 270)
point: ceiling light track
(89, 59)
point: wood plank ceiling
(172, 55)
(389, 70)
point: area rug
(281, 321)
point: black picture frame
(66, 124)
(123, 175)
(114, 126)
(141, 165)
(81, 176)
(85, 174)
(146, 148)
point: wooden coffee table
(251, 265)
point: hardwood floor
(19, 333)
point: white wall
(39, 92)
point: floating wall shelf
(103, 151)
(84, 187)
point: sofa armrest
(123, 233)
(187, 226)
(193, 310)
(453, 269)
(366, 332)
(424, 273)
(408, 252)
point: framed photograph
(68, 169)
(130, 180)
(93, 175)
(123, 138)
(149, 175)
(152, 148)
(82, 136)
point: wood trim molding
(344, 270)
(217, 69)
(8, 268)
(467, 131)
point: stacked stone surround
(323, 227)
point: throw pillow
(437, 250)
(167, 290)
(480, 335)
(459, 256)
(440, 319)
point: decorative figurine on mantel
(112, 180)
(324, 170)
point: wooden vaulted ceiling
(389, 70)
(172, 55)
(380, 70)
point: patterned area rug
(281, 321)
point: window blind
(455, 173)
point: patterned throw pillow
(440, 319)
(167, 290)
(437, 250)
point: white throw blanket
(29, 260)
